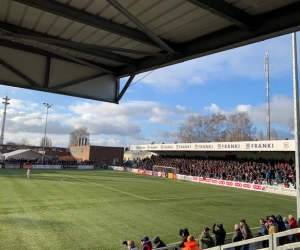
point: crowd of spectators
(217, 236)
(237, 169)
(64, 163)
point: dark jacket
(263, 230)
(220, 235)
(184, 233)
(237, 236)
(205, 240)
(160, 244)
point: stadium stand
(268, 171)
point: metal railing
(273, 239)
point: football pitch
(98, 209)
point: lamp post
(47, 105)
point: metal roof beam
(228, 11)
(19, 73)
(14, 31)
(71, 83)
(88, 46)
(272, 24)
(47, 72)
(125, 87)
(31, 49)
(137, 22)
(81, 16)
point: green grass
(79, 209)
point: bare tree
(216, 126)
(24, 143)
(78, 133)
(239, 127)
(48, 142)
(11, 143)
(192, 130)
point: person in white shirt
(28, 173)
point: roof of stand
(81, 48)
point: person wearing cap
(158, 242)
(146, 243)
(191, 243)
(220, 234)
(246, 233)
(205, 240)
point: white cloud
(281, 110)
(246, 61)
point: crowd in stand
(272, 224)
(243, 169)
(23, 161)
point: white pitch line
(191, 197)
(143, 198)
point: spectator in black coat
(158, 242)
(184, 233)
(220, 234)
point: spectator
(146, 243)
(237, 236)
(205, 240)
(272, 226)
(158, 242)
(289, 238)
(281, 228)
(293, 225)
(220, 234)
(184, 233)
(191, 244)
(263, 231)
(130, 245)
(28, 173)
(246, 232)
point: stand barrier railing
(256, 243)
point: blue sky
(153, 108)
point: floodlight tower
(47, 105)
(5, 102)
(268, 95)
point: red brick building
(101, 154)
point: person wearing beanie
(191, 243)
(205, 240)
(158, 242)
(146, 243)
(220, 234)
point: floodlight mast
(296, 122)
(5, 102)
(47, 105)
(268, 95)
